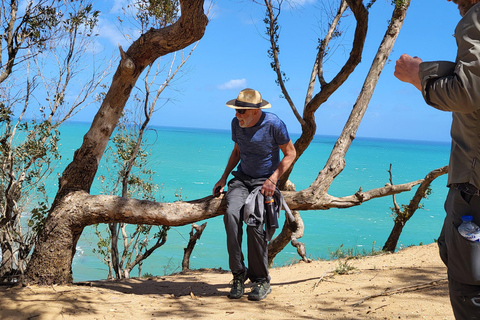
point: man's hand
(268, 188)
(218, 188)
(407, 68)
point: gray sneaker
(238, 285)
(260, 291)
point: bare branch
(395, 204)
(322, 51)
(309, 125)
(274, 50)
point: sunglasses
(241, 111)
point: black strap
(239, 103)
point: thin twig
(320, 279)
(401, 290)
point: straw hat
(248, 99)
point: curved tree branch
(322, 51)
(272, 31)
(91, 209)
(190, 27)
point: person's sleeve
(281, 131)
(452, 86)
(234, 131)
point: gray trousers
(238, 190)
(462, 257)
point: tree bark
(6, 266)
(114, 250)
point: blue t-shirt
(259, 151)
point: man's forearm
(282, 168)
(288, 158)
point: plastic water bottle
(469, 230)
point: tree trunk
(312, 104)
(51, 261)
(392, 240)
(114, 250)
(194, 236)
(6, 266)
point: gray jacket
(455, 87)
(253, 212)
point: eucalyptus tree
(74, 207)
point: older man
(455, 87)
(258, 137)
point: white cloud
(294, 3)
(109, 32)
(118, 5)
(302, 2)
(233, 84)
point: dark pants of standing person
(461, 256)
(238, 190)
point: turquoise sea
(190, 161)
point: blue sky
(233, 55)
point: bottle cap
(268, 199)
(467, 218)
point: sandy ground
(410, 284)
